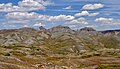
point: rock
(41, 29)
(87, 29)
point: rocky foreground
(59, 48)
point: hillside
(59, 47)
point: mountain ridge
(60, 26)
(30, 35)
(58, 47)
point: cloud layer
(34, 13)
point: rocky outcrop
(87, 29)
(42, 29)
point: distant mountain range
(31, 36)
(59, 47)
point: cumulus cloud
(6, 7)
(61, 18)
(68, 7)
(86, 13)
(80, 21)
(35, 17)
(25, 5)
(107, 21)
(44, 17)
(31, 5)
(45, 2)
(39, 24)
(22, 15)
(83, 13)
(92, 6)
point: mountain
(31, 36)
(87, 29)
(112, 32)
(53, 48)
(61, 28)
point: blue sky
(99, 14)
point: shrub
(107, 66)
(18, 53)
(86, 55)
(6, 54)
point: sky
(98, 14)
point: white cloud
(92, 6)
(83, 13)
(45, 2)
(34, 17)
(44, 17)
(61, 18)
(107, 21)
(68, 7)
(92, 26)
(25, 26)
(39, 24)
(25, 5)
(6, 7)
(34, 4)
(31, 5)
(22, 15)
(94, 14)
(86, 13)
(80, 21)
(101, 19)
(9, 7)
